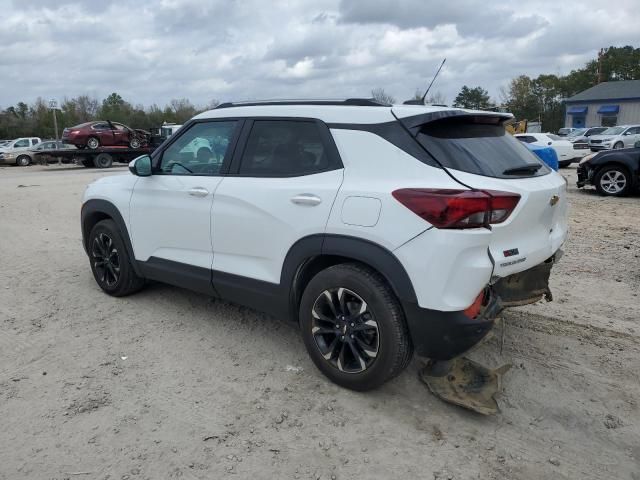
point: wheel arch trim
(95, 210)
(350, 248)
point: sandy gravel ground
(171, 384)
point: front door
(171, 210)
(281, 188)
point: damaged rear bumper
(444, 335)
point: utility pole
(53, 105)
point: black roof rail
(357, 102)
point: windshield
(469, 145)
(578, 132)
(553, 136)
(613, 131)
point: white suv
(381, 230)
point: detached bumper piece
(456, 379)
(465, 383)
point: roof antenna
(421, 101)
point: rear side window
(473, 146)
(283, 148)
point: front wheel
(110, 262)
(618, 146)
(613, 180)
(353, 327)
(23, 161)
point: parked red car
(104, 134)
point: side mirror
(141, 166)
(549, 143)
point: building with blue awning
(606, 104)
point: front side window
(284, 148)
(21, 143)
(201, 150)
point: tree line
(37, 119)
(534, 99)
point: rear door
(481, 155)
(281, 187)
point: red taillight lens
(458, 208)
(473, 310)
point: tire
(23, 160)
(618, 146)
(613, 180)
(565, 163)
(110, 262)
(379, 335)
(93, 143)
(134, 143)
(103, 160)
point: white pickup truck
(15, 152)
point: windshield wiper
(523, 169)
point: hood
(601, 137)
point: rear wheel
(110, 262)
(23, 160)
(135, 143)
(613, 180)
(353, 327)
(93, 143)
(103, 160)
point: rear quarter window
(477, 145)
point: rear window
(477, 145)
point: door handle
(307, 199)
(198, 192)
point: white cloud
(153, 51)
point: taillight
(473, 310)
(458, 208)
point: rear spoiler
(415, 122)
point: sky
(154, 50)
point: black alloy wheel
(353, 326)
(106, 260)
(344, 330)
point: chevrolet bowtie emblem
(555, 199)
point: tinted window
(200, 150)
(34, 141)
(101, 126)
(526, 139)
(472, 146)
(280, 148)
